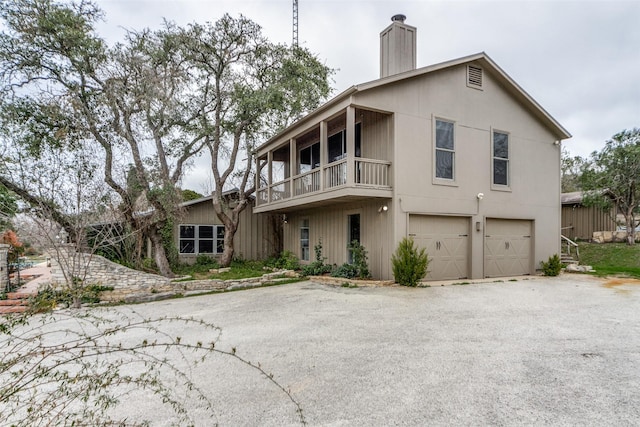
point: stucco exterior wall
(534, 160)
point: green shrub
(286, 261)
(317, 267)
(409, 264)
(552, 267)
(206, 260)
(346, 270)
(358, 268)
(48, 298)
(359, 255)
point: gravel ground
(534, 351)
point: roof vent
(398, 18)
(474, 77)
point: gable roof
(481, 58)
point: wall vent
(474, 76)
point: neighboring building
(201, 232)
(455, 155)
(579, 222)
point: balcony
(327, 185)
(339, 158)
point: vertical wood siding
(253, 240)
(330, 225)
(579, 222)
(376, 135)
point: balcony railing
(306, 183)
(367, 173)
(336, 174)
(372, 172)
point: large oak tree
(612, 176)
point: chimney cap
(398, 18)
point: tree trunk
(159, 253)
(631, 232)
(230, 229)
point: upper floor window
(337, 144)
(500, 158)
(310, 158)
(201, 239)
(445, 150)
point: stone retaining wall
(611, 237)
(339, 281)
(133, 285)
(146, 293)
(97, 270)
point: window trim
(196, 239)
(494, 186)
(435, 179)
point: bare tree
(81, 368)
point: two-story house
(455, 155)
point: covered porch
(346, 156)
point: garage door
(446, 241)
(507, 247)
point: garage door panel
(507, 247)
(446, 242)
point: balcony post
(323, 152)
(293, 166)
(270, 176)
(351, 145)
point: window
(337, 144)
(309, 158)
(304, 240)
(201, 239)
(500, 158)
(187, 239)
(353, 232)
(445, 150)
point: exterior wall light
(383, 208)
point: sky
(580, 60)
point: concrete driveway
(559, 351)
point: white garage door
(507, 247)
(446, 241)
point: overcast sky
(579, 59)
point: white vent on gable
(474, 76)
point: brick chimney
(397, 47)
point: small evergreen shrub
(408, 263)
(551, 267)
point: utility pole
(295, 23)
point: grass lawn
(239, 270)
(609, 259)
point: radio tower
(295, 23)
